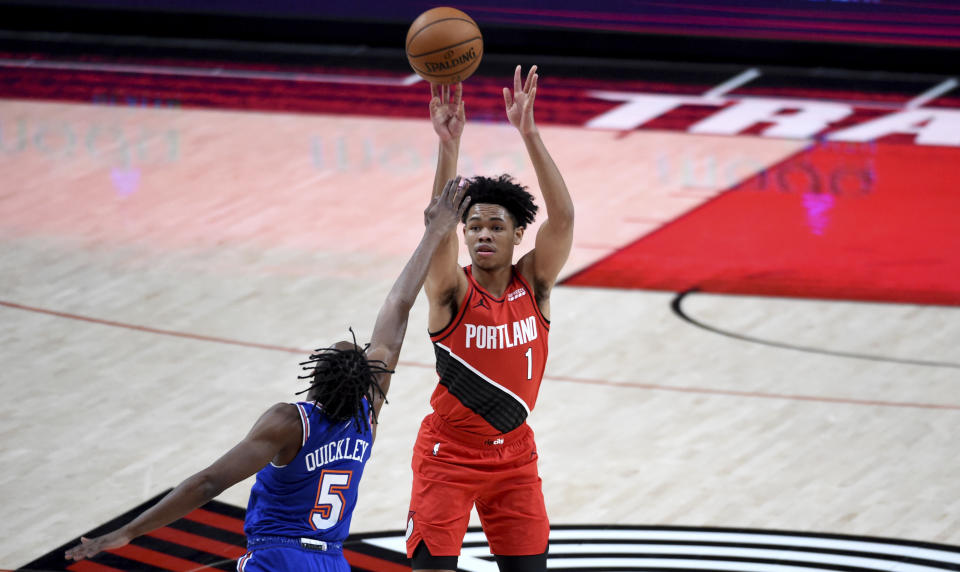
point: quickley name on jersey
(502, 336)
(347, 448)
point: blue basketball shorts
(273, 558)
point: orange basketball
(444, 45)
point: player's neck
(494, 280)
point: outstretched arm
(443, 275)
(448, 118)
(441, 216)
(542, 265)
(276, 432)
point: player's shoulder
(524, 269)
(282, 417)
(283, 408)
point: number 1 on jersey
(529, 355)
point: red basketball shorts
(453, 470)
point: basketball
(444, 45)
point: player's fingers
(464, 205)
(446, 93)
(461, 195)
(434, 90)
(80, 552)
(458, 93)
(529, 83)
(507, 98)
(457, 191)
(516, 80)
(456, 195)
(460, 192)
(449, 188)
(461, 114)
(528, 106)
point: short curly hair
(503, 191)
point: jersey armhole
(455, 320)
(304, 430)
(533, 297)
(305, 423)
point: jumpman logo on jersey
(482, 303)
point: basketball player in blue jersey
(309, 456)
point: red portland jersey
(490, 358)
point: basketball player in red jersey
(489, 323)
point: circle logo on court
(680, 548)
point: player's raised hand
(446, 110)
(520, 103)
(90, 547)
(446, 210)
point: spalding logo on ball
(444, 45)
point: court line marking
(149, 330)
(561, 378)
(677, 306)
(770, 549)
(732, 84)
(714, 95)
(210, 72)
(932, 93)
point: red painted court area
(209, 538)
(846, 221)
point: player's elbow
(562, 221)
(206, 485)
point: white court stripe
(597, 564)
(932, 93)
(745, 553)
(824, 560)
(745, 538)
(304, 77)
(732, 84)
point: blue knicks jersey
(314, 495)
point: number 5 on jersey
(329, 506)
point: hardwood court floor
(165, 270)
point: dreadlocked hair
(341, 378)
(503, 191)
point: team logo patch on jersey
(518, 293)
